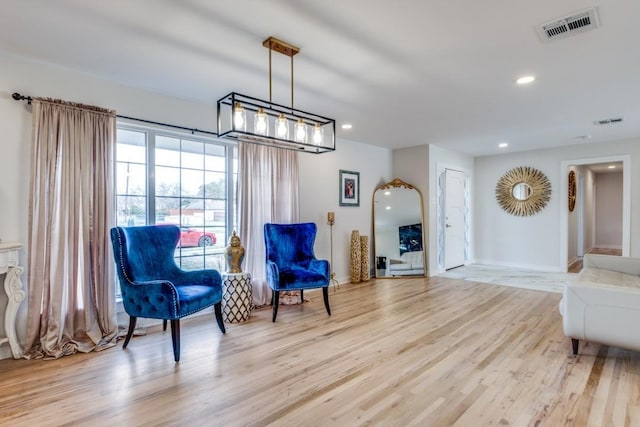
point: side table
(237, 297)
(15, 294)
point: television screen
(410, 238)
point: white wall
(534, 241)
(319, 194)
(608, 233)
(318, 177)
(421, 166)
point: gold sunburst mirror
(523, 191)
(572, 191)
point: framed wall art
(349, 188)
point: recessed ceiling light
(347, 126)
(388, 207)
(611, 166)
(387, 193)
(503, 145)
(524, 80)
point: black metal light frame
(227, 128)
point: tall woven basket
(356, 257)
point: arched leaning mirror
(398, 230)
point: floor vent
(563, 27)
(608, 121)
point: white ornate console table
(15, 294)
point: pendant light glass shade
(239, 117)
(261, 123)
(301, 131)
(282, 127)
(318, 134)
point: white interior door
(454, 219)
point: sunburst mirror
(523, 191)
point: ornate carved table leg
(15, 295)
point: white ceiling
(404, 72)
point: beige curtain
(71, 288)
(267, 192)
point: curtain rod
(19, 97)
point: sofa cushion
(608, 277)
(413, 258)
(400, 267)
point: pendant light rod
(270, 86)
(292, 81)
(286, 49)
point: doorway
(600, 222)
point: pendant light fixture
(250, 119)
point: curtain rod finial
(18, 97)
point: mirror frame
(540, 191)
(398, 183)
(572, 191)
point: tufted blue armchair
(291, 263)
(154, 287)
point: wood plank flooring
(395, 352)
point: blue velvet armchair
(154, 287)
(291, 263)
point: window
(168, 178)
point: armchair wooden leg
(132, 326)
(175, 338)
(217, 308)
(325, 296)
(574, 344)
(276, 302)
(164, 324)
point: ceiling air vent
(563, 27)
(608, 121)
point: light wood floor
(403, 352)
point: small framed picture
(349, 188)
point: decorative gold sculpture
(356, 257)
(523, 191)
(365, 273)
(234, 254)
(572, 191)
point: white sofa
(409, 264)
(603, 303)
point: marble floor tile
(506, 276)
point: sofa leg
(574, 344)
(275, 300)
(301, 296)
(132, 326)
